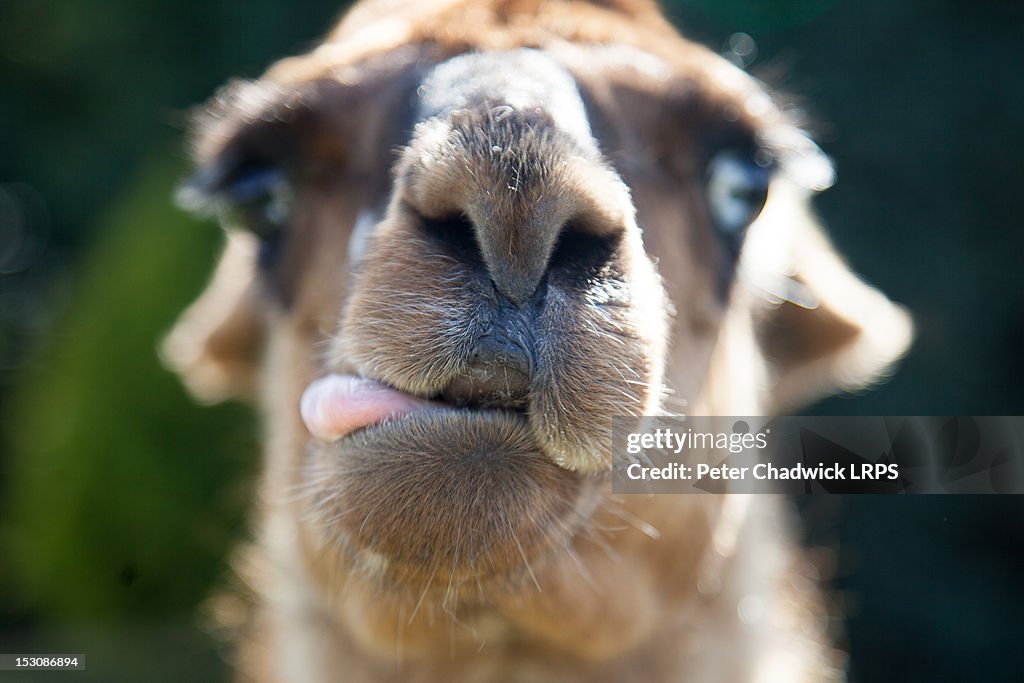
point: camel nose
(501, 144)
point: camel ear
(240, 141)
(820, 327)
(217, 342)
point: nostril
(583, 253)
(455, 234)
(498, 374)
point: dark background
(119, 497)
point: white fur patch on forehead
(524, 80)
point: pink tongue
(336, 405)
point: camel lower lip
(458, 432)
(444, 494)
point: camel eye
(736, 187)
(260, 197)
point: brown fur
(486, 545)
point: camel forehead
(631, 70)
(504, 81)
(505, 122)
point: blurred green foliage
(122, 494)
(119, 498)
